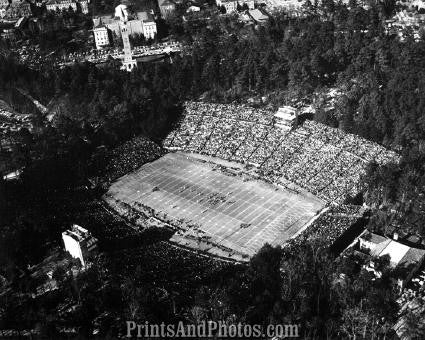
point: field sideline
(236, 212)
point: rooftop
(399, 253)
(413, 256)
(286, 112)
(373, 238)
(99, 25)
(145, 16)
(80, 234)
(165, 2)
(257, 15)
(396, 251)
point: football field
(237, 212)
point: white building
(121, 12)
(79, 243)
(134, 26)
(232, 5)
(407, 259)
(229, 5)
(192, 9)
(249, 3)
(84, 5)
(285, 117)
(166, 7)
(13, 175)
(15, 10)
(258, 16)
(101, 36)
(140, 23)
(148, 25)
(54, 5)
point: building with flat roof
(79, 243)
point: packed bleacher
(104, 224)
(168, 267)
(323, 160)
(328, 227)
(130, 156)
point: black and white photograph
(212, 169)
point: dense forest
(291, 59)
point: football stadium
(233, 180)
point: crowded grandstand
(323, 160)
(234, 180)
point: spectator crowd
(129, 156)
(323, 160)
(328, 227)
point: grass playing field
(237, 213)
